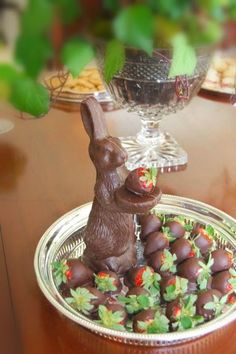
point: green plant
(181, 24)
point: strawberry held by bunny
(109, 235)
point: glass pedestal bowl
(64, 239)
(143, 86)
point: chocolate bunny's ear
(93, 119)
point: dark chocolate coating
(202, 299)
(149, 224)
(155, 260)
(190, 269)
(156, 241)
(109, 235)
(222, 260)
(182, 248)
(80, 274)
(203, 242)
(177, 230)
(171, 308)
(220, 282)
(136, 204)
(137, 290)
(100, 300)
(145, 315)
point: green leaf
(110, 319)
(37, 17)
(33, 52)
(210, 306)
(8, 73)
(134, 26)
(76, 54)
(159, 325)
(186, 322)
(114, 59)
(210, 230)
(30, 97)
(184, 57)
(105, 284)
(111, 5)
(80, 300)
(69, 10)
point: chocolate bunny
(109, 235)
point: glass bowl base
(163, 152)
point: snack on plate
(88, 81)
(222, 75)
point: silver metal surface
(64, 239)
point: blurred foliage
(180, 24)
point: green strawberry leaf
(186, 322)
(142, 325)
(134, 26)
(105, 283)
(210, 230)
(80, 300)
(232, 281)
(59, 269)
(188, 227)
(110, 319)
(160, 324)
(30, 97)
(168, 264)
(184, 57)
(76, 54)
(232, 272)
(209, 306)
(114, 59)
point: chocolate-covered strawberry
(182, 313)
(150, 321)
(224, 281)
(190, 269)
(141, 180)
(71, 273)
(108, 282)
(149, 223)
(173, 287)
(137, 290)
(138, 299)
(113, 316)
(85, 300)
(183, 249)
(156, 241)
(223, 260)
(163, 262)
(203, 238)
(143, 276)
(204, 278)
(204, 298)
(175, 228)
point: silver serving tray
(64, 239)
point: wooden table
(45, 172)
